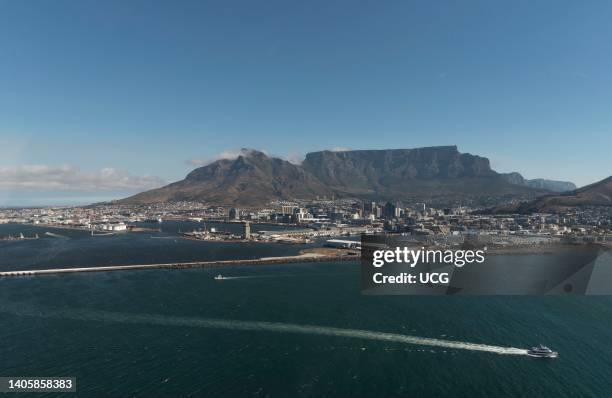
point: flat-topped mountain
(433, 174)
(376, 170)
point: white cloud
(294, 157)
(229, 154)
(71, 178)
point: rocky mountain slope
(251, 179)
(597, 194)
(540, 183)
(433, 174)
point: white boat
(542, 351)
(219, 277)
(102, 233)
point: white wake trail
(259, 276)
(52, 234)
(208, 323)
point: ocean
(64, 248)
(278, 330)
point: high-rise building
(234, 214)
(287, 210)
(389, 210)
(398, 212)
(369, 207)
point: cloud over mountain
(229, 154)
(294, 157)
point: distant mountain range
(540, 183)
(434, 174)
(597, 194)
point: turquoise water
(265, 332)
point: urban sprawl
(314, 219)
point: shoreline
(240, 240)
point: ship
(542, 351)
(219, 277)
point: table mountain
(437, 175)
(433, 174)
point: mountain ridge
(541, 183)
(252, 177)
(596, 194)
(434, 174)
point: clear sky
(102, 98)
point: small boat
(219, 277)
(102, 233)
(542, 351)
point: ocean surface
(66, 248)
(278, 331)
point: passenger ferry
(542, 351)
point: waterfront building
(287, 209)
(247, 230)
(234, 214)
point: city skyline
(112, 98)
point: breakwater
(183, 265)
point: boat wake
(259, 276)
(278, 276)
(209, 323)
(54, 235)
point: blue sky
(97, 92)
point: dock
(197, 264)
